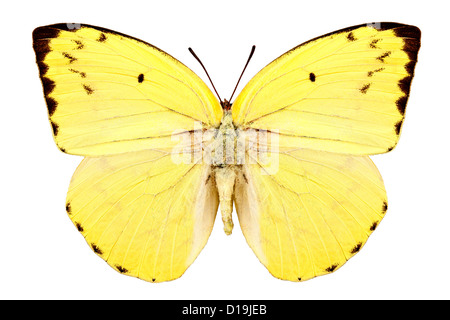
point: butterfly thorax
(225, 144)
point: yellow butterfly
(291, 152)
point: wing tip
(411, 36)
(402, 30)
(45, 32)
(410, 32)
(53, 30)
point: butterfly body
(162, 153)
(225, 157)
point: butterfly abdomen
(225, 179)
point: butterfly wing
(147, 216)
(308, 196)
(134, 112)
(305, 213)
(109, 93)
(344, 92)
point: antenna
(248, 60)
(198, 59)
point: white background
(43, 256)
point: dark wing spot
(96, 249)
(373, 44)
(153, 279)
(102, 38)
(121, 269)
(51, 105)
(141, 78)
(374, 226)
(405, 84)
(79, 44)
(68, 208)
(43, 68)
(401, 104)
(356, 248)
(312, 77)
(390, 149)
(41, 48)
(79, 227)
(411, 47)
(70, 57)
(365, 87)
(55, 128)
(82, 74)
(371, 73)
(409, 67)
(88, 89)
(299, 279)
(398, 126)
(332, 268)
(48, 85)
(351, 37)
(385, 207)
(384, 56)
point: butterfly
(291, 153)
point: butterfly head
(226, 105)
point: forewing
(109, 93)
(343, 92)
